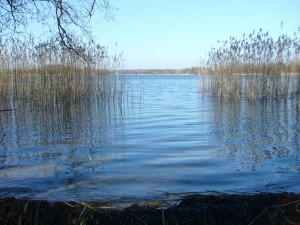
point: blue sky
(176, 33)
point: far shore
(158, 74)
(183, 72)
(186, 71)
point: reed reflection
(54, 127)
(257, 131)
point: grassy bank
(196, 209)
(272, 67)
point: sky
(175, 34)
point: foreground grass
(196, 209)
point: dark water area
(162, 135)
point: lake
(164, 136)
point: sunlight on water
(163, 135)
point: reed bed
(19, 57)
(49, 73)
(269, 68)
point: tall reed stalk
(271, 68)
(19, 57)
(48, 73)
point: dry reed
(270, 68)
(49, 73)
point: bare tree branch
(92, 8)
(70, 17)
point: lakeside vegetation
(272, 67)
(28, 57)
(48, 73)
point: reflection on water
(144, 135)
(51, 125)
(72, 113)
(258, 131)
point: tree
(67, 20)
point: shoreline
(234, 209)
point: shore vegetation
(270, 67)
(49, 72)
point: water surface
(164, 136)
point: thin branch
(92, 8)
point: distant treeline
(193, 70)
